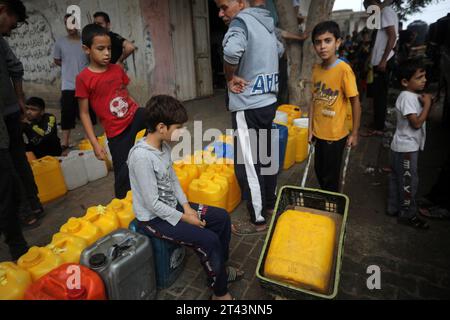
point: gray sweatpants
(403, 184)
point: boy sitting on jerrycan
(160, 205)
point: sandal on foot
(435, 213)
(248, 229)
(414, 222)
(234, 274)
(30, 223)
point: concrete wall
(144, 22)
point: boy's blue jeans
(211, 243)
(403, 184)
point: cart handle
(312, 150)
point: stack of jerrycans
(124, 260)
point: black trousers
(380, 88)
(70, 110)
(28, 190)
(328, 162)
(120, 147)
(256, 177)
(9, 203)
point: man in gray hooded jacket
(251, 55)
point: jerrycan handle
(118, 250)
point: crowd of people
(94, 86)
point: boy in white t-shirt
(412, 109)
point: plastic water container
(293, 112)
(207, 192)
(186, 173)
(301, 131)
(54, 286)
(39, 261)
(83, 229)
(123, 209)
(68, 247)
(222, 182)
(106, 220)
(169, 259)
(74, 171)
(281, 143)
(312, 238)
(49, 179)
(85, 145)
(281, 118)
(124, 260)
(291, 149)
(140, 135)
(14, 281)
(95, 168)
(234, 193)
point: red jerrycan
(68, 282)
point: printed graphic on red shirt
(108, 97)
(119, 105)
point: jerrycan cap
(117, 205)
(74, 226)
(32, 258)
(97, 260)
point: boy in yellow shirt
(334, 85)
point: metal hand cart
(334, 205)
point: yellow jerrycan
(140, 135)
(207, 192)
(291, 150)
(49, 179)
(85, 145)
(312, 238)
(14, 281)
(234, 193)
(294, 112)
(106, 220)
(123, 210)
(301, 132)
(39, 261)
(222, 182)
(68, 247)
(82, 228)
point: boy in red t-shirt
(103, 86)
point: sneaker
(414, 222)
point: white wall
(33, 44)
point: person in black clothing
(121, 48)
(12, 13)
(40, 130)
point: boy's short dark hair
(17, 8)
(326, 26)
(36, 102)
(408, 68)
(164, 109)
(102, 14)
(90, 32)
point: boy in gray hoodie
(251, 55)
(162, 208)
